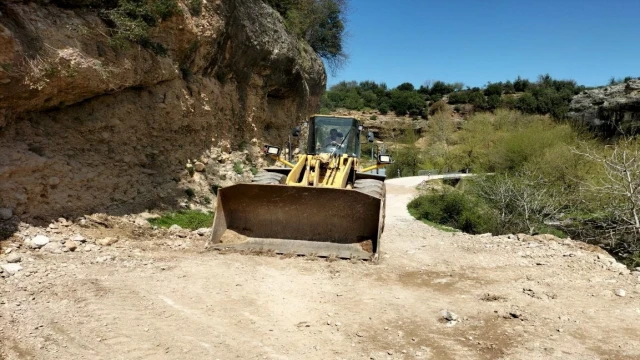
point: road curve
(412, 181)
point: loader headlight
(271, 150)
(384, 159)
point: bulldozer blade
(325, 222)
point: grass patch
(186, 219)
(440, 227)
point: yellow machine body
(324, 204)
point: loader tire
(375, 188)
(269, 178)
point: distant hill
(545, 96)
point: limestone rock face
(85, 127)
(608, 107)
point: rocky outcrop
(87, 127)
(608, 107)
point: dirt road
(152, 298)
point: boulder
(14, 258)
(40, 241)
(6, 213)
(11, 269)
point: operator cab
(334, 135)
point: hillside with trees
(544, 96)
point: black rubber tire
(269, 178)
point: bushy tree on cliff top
(320, 22)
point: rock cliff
(608, 107)
(86, 126)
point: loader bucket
(325, 222)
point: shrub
(477, 99)
(527, 103)
(164, 9)
(195, 7)
(407, 102)
(384, 108)
(190, 192)
(493, 89)
(459, 97)
(186, 219)
(438, 106)
(493, 101)
(508, 102)
(320, 23)
(521, 85)
(237, 168)
(454, 209)
(373, 117)
(133, 19)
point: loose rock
(198, 166)
(621, 292)
(102, 259)
(40, 241)
(78, 239)
(6, 213)
(11, 269)
(108, 241)
(90, 247)
(14, 258)
(448, 315)
(71, 245)
(142, 222)
(53, 247)
(175, 227)
(203, 231)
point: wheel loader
(323, 203)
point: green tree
(384, 108)
(493, 102)
(521, 85)
(459, 97)
(407, 102)
(407, 157)
(370, 99)
(321, 23)
(509, 88)
(407, 86)
(493, 89)
(477, 99)
(527, 103)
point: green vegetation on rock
(320, 22)
(132, 21)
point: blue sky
(476, 41)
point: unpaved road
(516, 299)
